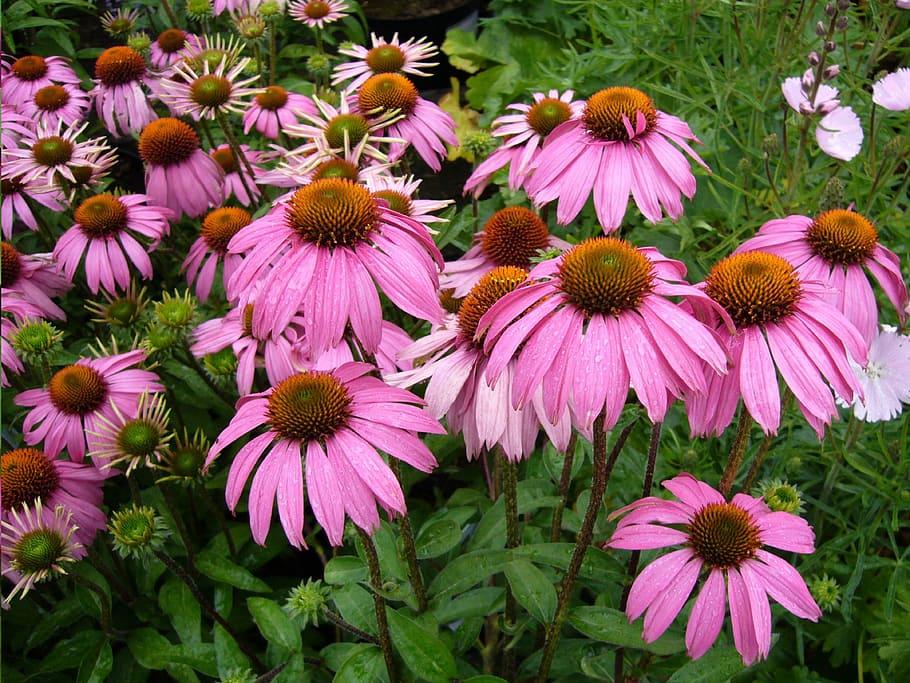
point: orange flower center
(448, 301)
(488, 290)
(167, 141)
(26, 474)
(118, 65)
(225, 158)
(101, 216)
(309, 406)
(545, 115)
(842, 237)
(387, 92)
(77, 389)
(398, 201)
(248, 320)
(29, 68)
(220, 225)
(51, 97)
(332, 212)
(317, 9)
(723, 535)
(171, 40)
(606, 110)
(385, 59)
(10, 264)
(606, 276)
(274, 97)
(754, 287)
(512, 236)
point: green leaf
(484, 678)
(294, 672)
(69, 653)
(467, 570)
(65, 613)
(355, 604)
(475, 603)
(611, 626)
(178, 603)
(532, 589)
(96, 664)
(345, 569)
(151, 649)
(491, 530)
(437, 538)
(362, 666)
(275, 626)
(221, 569)
(422, 651)
(720, 664)
(598, 565)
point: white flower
(885, 379)
(840, 134)
(893, 91)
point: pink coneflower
(234, 184)
(621, 144)
(524, 135)
(334, 422)
(105, 231)
(301, 167)
(331, 242)
(211, 50)
(387, 356)
(37, 544)
(274, 109)
(893, 91)
(422, 123)
(207, 93)
(14, 205)
(120, 92)
(25, 76)
(384, 57)
(77, 395)
(53, 103)
(318, 13)
(166, 49)
(218, 227)
(783, 324)
(21, 310)
(49, 151)
(511, 237)
(15, 125)
(834, 247)
(399, 193)
(33, 277)
(91, 175)
(885, 379)
(178, 174)
(220, 6)
(29, 475)
(456, 367)
(139, 437)
(596, 321)
(726, 539)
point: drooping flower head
(511, 237)
(885, 379)
(594, 322)
(384, 57)
(133, 439)
(15, 125)
(29, 475)
(33, 277)
(218, 228)
(13, 204)
(331, 242)
(78, 395)
(50, 153)
(455, 363)
(325, 429)
(237, 181)
(166, 49)
(318, 13)
(523, 136)
(25, 76)
(893, 90)
(120, 92)
(621, 144)
(422, 123)
(52, 103)
(834, 247)
(37, 544)
(178, 174)
(207, 93)
(106, 232)
(783, 323)
(726, 539)
(274, 109)
(400, 194)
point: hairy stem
(565, 481)
(513, 539)
(385, 639)
(338, 621)
(410, 548)
(737, 451)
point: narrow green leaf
(532, 589)
(612, 626)
(275, 626)
(422, 651)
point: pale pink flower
(30, 475)
(210, 248)
(15, 125)
(178, 174)
(51, 150)
(52, 103)
(785, 324)
(34, 278)
(274, 109)
(234, 185)
(893, 91)
(25, 76)
(220, 6)
(840, 134)
(106, 232)
(594, 322)
(333, 241)
(523, 136)
(385, 56)
(15, 206)
(885, 379)
(796, 92)
(121, 91)
(621, 144)
(78, 395)
(835, 247)
(207, 92)
(325, 430)
(454, 361)
(725, 539)
(318, 13)
(387, 357)
(166, 49)
(400, 194)
(511, 237)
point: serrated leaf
(532, 589)
(275, 626)
(422, 651)
(345, 569)
(221, 569)
(611, 626)
(718, 665)
(437, 538)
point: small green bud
(833, 196)
(177, 311)
(253, 67)
(826, 592)
(270, 9)
(896, 148)
(250, 26)
(306, 602)
(139, 41)
(160, 339)
(35, 340)
(770, 146)
(221, 364)
(794, 465)
(781, 496)
(318, 64)
(744, 166)
(138, 531)
(198, 9)
(184, 460)
(479, 142)
(238, 676)
(121, 311)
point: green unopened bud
(137, 531)
(122, 311)
(253, 67)
(221, 365)
(479, 142)
(270, 9)
(744, 166)
(794, 465)
(36, 341)
(318, 64)
(238, 676)
(177, 311)
(781, 496)
(826, 592)
(183, 461)
(896, 148)
(833, 196)
(140, 42)
(545, 254)
(250, 26)
(160, 339)
(306, 601)
(198, 9)
(770, 146)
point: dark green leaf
(151, 649)
(355, 604)
(598, 565)
(275, 626)
(475, 603)
(221, 569)
(437, 538)
(69, 653)
(612, 626)
(720, 664)
(532, 589)
(345, 569)
(362, 666)
(96, 664)
(466, 571)
(422, 651)
(178, 603)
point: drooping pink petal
(707, 617)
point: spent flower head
(121, 310)
(138, 531)
(121, 22)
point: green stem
(602, 470)
(169, 11)
(222, 522)
(273, 53)
(565, 481)
(338, 621)
(737, 451)
(237, 152)
(199, 370)
(410, 548)
(171, 506)
(513, 540)
(385, 639)
(757, 462)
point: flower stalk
(410, 548)
(385, 639)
